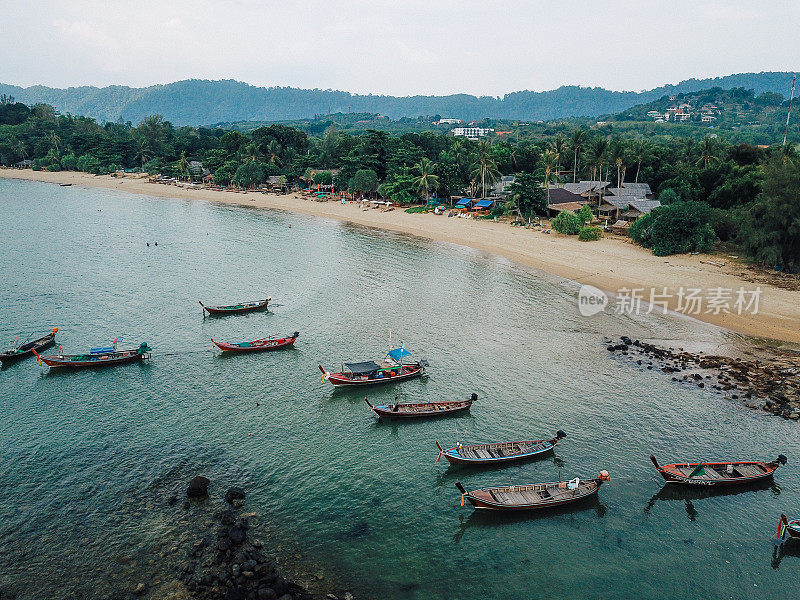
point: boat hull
(483, 500)
(436, 409)
(65, 362)
(341, 380)
(454, 458)
(7, 358)
(277, 345)
(751, 472)
(236, 309)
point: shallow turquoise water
(365, 500)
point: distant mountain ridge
(198, 102)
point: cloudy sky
(399, 47)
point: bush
(590, 233)
(567, 222)
(677, 228)
(69, 162)
(585, 214)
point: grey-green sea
(89, 458)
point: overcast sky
(399, 47)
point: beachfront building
(584, 192)
(472, 133)
(501, 187)
(449, 122)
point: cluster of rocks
(772, 385)
(224, 561)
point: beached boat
(533, 496)
(788, 528)
(97, 357)
(392, 369)
(718, 473)
(498, 452)
(262, 345)
(419, 410)
(28, 348)
(235, 309)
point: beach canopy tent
(398, 353)
(484, 204)
(464, 203)
(362, 368)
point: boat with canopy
(262, 345)
(96, 357)
(533, 496)
(498, 452)
(392, 369)
(19, 351)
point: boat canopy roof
(397, 353)
(362, 367)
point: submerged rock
(233, 494)
(198, 487)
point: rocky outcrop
(771, 385)
(198, 487)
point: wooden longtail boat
(97, 357)
(533, 496)
(235, 309)
(790, 528)
(390, 370)
(421, 409)
(28, 348)
(718, 474)
(498, 452)
(262, 345)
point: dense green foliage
(677, 228)
(567, 222)
(590, 233)
(709, 188)
(195, 101)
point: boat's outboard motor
(782, 459)
(474, 397)
(561, 434)
(296, 334)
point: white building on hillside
(472, 133)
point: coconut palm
(641, 150)
(426, 180)
(687, 146)
(183, 165)
(616, 153)
(273, 152)
(708, 152)
(550, 168)
(19, 148)
(559, 148)
(577, 142)
(484, 168)
(143, 152)
(53, 140)
(598, 149)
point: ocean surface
(87, 459)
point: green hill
(194, 102)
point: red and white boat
(718, 473)
(262, 345)
(788, 528)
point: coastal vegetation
(710, 190)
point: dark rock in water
(186, 505)
(701, 385)
(234, 493)
(172, 500)
(236, 593)
(266, 593)
(226, 517)
(236, 535)
(358, 530)
(198, 487)
(140, 589)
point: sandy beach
(611, 264)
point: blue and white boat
(498, 452)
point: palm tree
(559, 148)
(708, 152)
(485, 168)
(641, 151)
(616, 151)
(183, 165)
(426, 179)
(598, 148)
(273, 151)
(143, 151)
(54, 140)
(687, 148)
(577, 142)
(549, 165)
(19, 148)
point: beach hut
(483, 206)
(465, 203)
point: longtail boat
(421, 409)
(533, 496)
(391, 370)
(718, 473)
(498, 452)
(28, 348)
(262, 345)
(790, 528)
(235, 309)
(97, 357)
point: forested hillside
(198, 102)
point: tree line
(731, 188)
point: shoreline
(610, 264)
